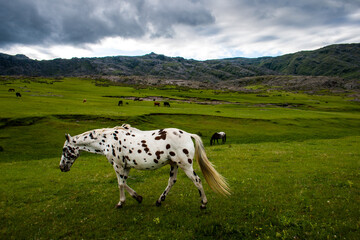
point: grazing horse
(120, 103)
(11, 90)
(126, 147)
(166, 104)
(18, 94)
(156, 104)
(216, 136)
(84, 101)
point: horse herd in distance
(13, 90)
(214, 138)
(156, 104)
(120, 103)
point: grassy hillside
(292, 161)
(335, 60)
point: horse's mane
(101, 130)
(97, 132)
(127, 126)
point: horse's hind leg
(121, 183)
(171, 182)
(197, 181)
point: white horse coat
(126, 147)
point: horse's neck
(91, 141)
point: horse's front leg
(121, 184)
(122, 175)
(129, 189)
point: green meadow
(292, 161)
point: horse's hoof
(158, 204)
(139, 198)
(163, 198)
(202, 207)
(118, 206)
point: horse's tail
(212, 177)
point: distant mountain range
(341, 60)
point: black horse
(120, 103)
(216, 136)
(166, 104)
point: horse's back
(154, 148)
(175, 136)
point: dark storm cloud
(88, 21)
(281, 24)
(199, 29)
(20, 21)
(301, 13)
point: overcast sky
(198, 29)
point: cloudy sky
(198, 29)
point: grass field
(292, 161)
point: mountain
(341, 60)
(151, 64)
(336, 60)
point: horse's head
(69, 155)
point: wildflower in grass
(156, 220)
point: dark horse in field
(216, 136)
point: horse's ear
(67, 137)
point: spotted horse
(126, 147)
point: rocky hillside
(151, 64)
(339, 63)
